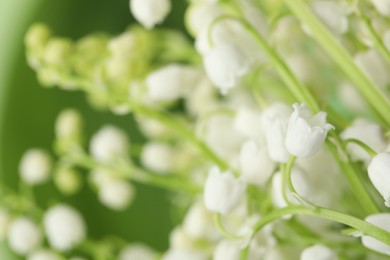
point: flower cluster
(271, 130)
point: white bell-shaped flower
(150, 12)
(275, 121)
(367, 132)
(248, 123)
(379, 173)
(137, 251)
(332, 14)
(255, 164)
(223, 192)
(180, 239)
(64, 227)
(374, 66)
(171, 82)
(382, 6)
(44, 254)
(318, 252)
(198, 222)
(200, 15)
(158, 157)
(24, 236)
(225, 65)
(306, 133)
(116, 194)
(381, 220)
(108, 144)
(227, 250)
(35, 166)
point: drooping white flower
(247, 122)
(382, 6)
(332, 14)
(374, 66)
(198, 222)
(255, 164)
(381, 220)
(275, 121)
(351, 97)
(137, 251)
(158, 157)
(227, 250)
(225, 65)
(68, 124)
(35, 166)
(5, 220)
(171, 82)
(222, 191)
(379, 173)
(44, 254)
(306, 133)
(64, 227)
(150, 12)
(319, 252)
(116, 194)
(108, 144)
(24, 236)
(367, 132)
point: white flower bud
(64, 227)
(306, 133)
(35, 166)
(255, 164)
(319, 252)
(180, 239)
(137, 251)
(332, 14)
(124, 45)
(158, 157)
(222, 191)
(24, 236)
(381, 220)
(274, 122)
(37, 36)
(109, 144)
(171, 82)
(225, 65)
(379, 173)
(150, 12)
(67, 180)
(198, 223)
(227, 250)
(44, 254)
(203, 98)
(57, 51)
(200, 15)
(374, 66)
(382, 6)
(369, 133)
(116, 194)
(68, 124)
(248, 123)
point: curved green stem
(363, 145)
(222, 230)
(324, 37)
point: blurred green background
(28, 112)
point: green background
(28, 111)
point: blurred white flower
(64, 227)
(150, 12)
(274, 122)
(225, 65)
(332, 14)
(116, 194)
(198, 223)
(351, 98)
(248, 123)
(180, 239)
(222, 191)
(24, 236)
(108, 144)
(158, 157)
(67, 180)
(319, 252)
(171, 82)
(5, 220)
(255, 164)
(379, 173)
(180, 254)
(35, 166)
(381, 220)
(227, 250)
(200, 15)
(382, 6)
(367, 132)
(137, 251)
(306, 133)
(44, 254)
(374, 66)
(68, 124)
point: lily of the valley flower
(379, 173)
(35, 166)
(222, 191)
(319, 252)
(150, 12)
(381, 220)
(306, 133)
(382, 6)
(24, 235)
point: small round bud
(150, 12)
(37, 36)
(44, 254)
(24, 236)
(57, 52)
(68, 124)
(35, 166)
(137, 251)
(67, 180)
(158, 157)
(116, 194)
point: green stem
(222, 230)
(363, 145)
(334, 49)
